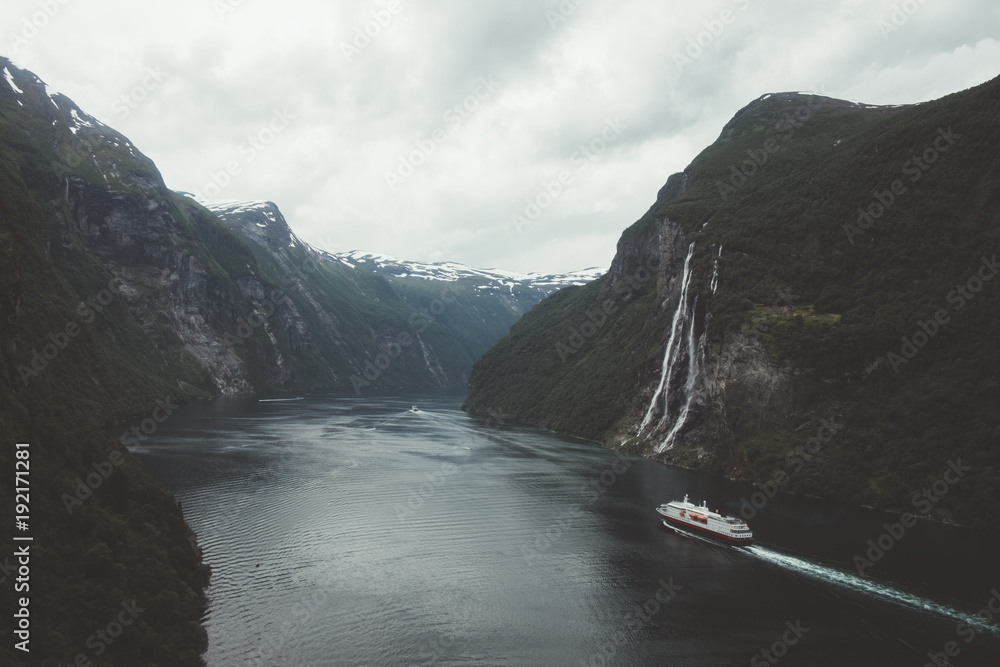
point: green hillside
(119, 301)
(828, 296)
(63, 378)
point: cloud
(361, 104)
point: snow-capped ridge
(453, 271)
(10, 79)
(263, 221)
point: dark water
(350, 531)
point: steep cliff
(368, 321)
(78, 208)
(822, 276)
(120, 299)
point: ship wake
(867, 587)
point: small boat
(414, 409)
(687, 515)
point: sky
(497, 133)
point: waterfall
(670, 355)
(696, 356)
(715, 271)
(684, 344)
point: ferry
(687, 515)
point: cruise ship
(687, 515)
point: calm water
(350, 531)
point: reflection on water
(357, 531)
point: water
(351, 531)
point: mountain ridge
(763, 313)
(118, 297)
(394, 266)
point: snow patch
(509, 281)
(452, 271)
(10, 79)
(80, 122)
(51, 93)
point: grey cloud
(356, 119)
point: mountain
(375, 321)
(526, 288)
(811, 305)
(83, 217)
(119, 301)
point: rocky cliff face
(774, 288)
(426, 323)
(705, 382)
(117, 297)
(229, 298)
(179, 300)
(89, 246)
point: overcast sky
(292, 102)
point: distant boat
(414, 409)
(689, 516)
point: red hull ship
(686, 515)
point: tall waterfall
(715, 271)
(696, 357)
(681, 317)
(683, 345)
